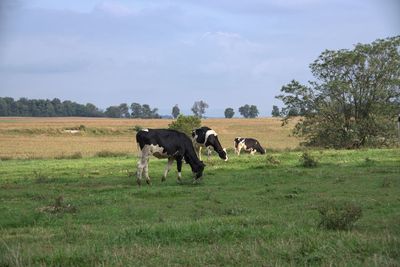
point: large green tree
(354, 99)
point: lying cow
(205, 137)
(170, 144)
(248, 144)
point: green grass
(249, 211)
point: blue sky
(165, 52)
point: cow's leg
(167, 168)
(199, 154)
(208, 153)
(179, 167)
(239, 147)
(146, 172)
(141, 165)
(253, 151)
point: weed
(271, 160)
(335, 215)
(59, 207)
(109, 154)
(307, 160)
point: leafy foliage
(275, 111)
(335, 215)
(229, 112)
(199, 108)
(248, 111)
(175, 111)
(308, 161)
(354, 100)
(185, 124)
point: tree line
(25, 107)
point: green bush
(308, 161)
(185, 124)
(335, 215)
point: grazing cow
(170, 144)
(248, 144)
(205, 137)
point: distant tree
(149, 113)
(93, 111)
(355, 97)
(113, 112)
(229, 113)
(275, 111)
(136, 109)
(244, 110)
(186, 124)
(175, 111)
(3, 107)
(124, 110)
(253, 112)
(199, 108)
(248, 111)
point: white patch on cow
(145, 130)
(208, 133)
(155, 150)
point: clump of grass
(40, 178)
(108, 154)
(59, 206)
(4, 158)
(308, 161)
(271, 160)
(336, 215)
(137, 128)
(386, 183)
(76, 155)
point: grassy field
(249, 211)
(33, 138)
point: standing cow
(248, 144)
(206, 137)
(170, 144)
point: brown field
(27, 138)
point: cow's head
(198, 170)
(223, 154)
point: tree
(248, 111)
(124, 110)
(136, 109)
(253, 112)
(275, 111)
(175, 111)
(199, 108)
(113, 112)
(185, 124)
(244, 110)
(355, 97)
(229, 113)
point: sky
(164, 52)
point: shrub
(308, 161)
(107, 154)
(185, 124)
(336, 215)
(137, 128)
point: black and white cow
(248, 144)
(206, 137)
(170, 144)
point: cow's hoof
(163, 179)
(148, 182)
(139, 182)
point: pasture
(252, 210)
(33, 138)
